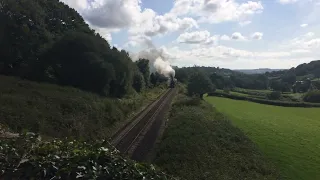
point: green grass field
(290, 137)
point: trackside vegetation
(57, 111)
(200, 143)
(31, 158)
(289, 136)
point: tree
(153, 79)
(27, 27)
(182, 75)
(86, 61)
(289, 78)
(157, 78)
(138, 82)
(217, 80)
(276, 85)
(143, 66)
(199, 84)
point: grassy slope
(57, 111)
(200, 143)
(288, 136)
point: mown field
(201, 144)
(290, 137)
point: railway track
(135, 138)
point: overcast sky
(234, 34)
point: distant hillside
(303, 71)
(257, 71)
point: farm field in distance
(290, 137)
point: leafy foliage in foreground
(200, 143)
(27, 157)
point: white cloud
(105, 33)
(151, 24)
(139, 41)
(222, 55)
(237, 36)
(309, 34)
(244, 23)
(313, 43)
(113, 14)
(164, 24)
(300, 51)
(76, 4)
(216, 11)
(257, 35)
(287, 1)
(225, 38)
(223, 10)
(234, 36)
(303, 25)
(110, 16)
(304, 41)
(197, 37)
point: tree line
(46, 40)
(294, 80)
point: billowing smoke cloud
(158, 60)
(163, 67)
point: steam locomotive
(172, 82)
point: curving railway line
(137, 138)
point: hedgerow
(264, 101)
(312, 96)
(27, 157)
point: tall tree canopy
(143, 65)
(199, 84)
(45, 40)
(28, 27)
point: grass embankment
(288, 136)
(56, 111)
(200, 143)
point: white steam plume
(157, 60)
(163, 67)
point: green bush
(226, 90)
(264, 101)
(312, 96)
(275, 95)
(194, 101)
(27, 157)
